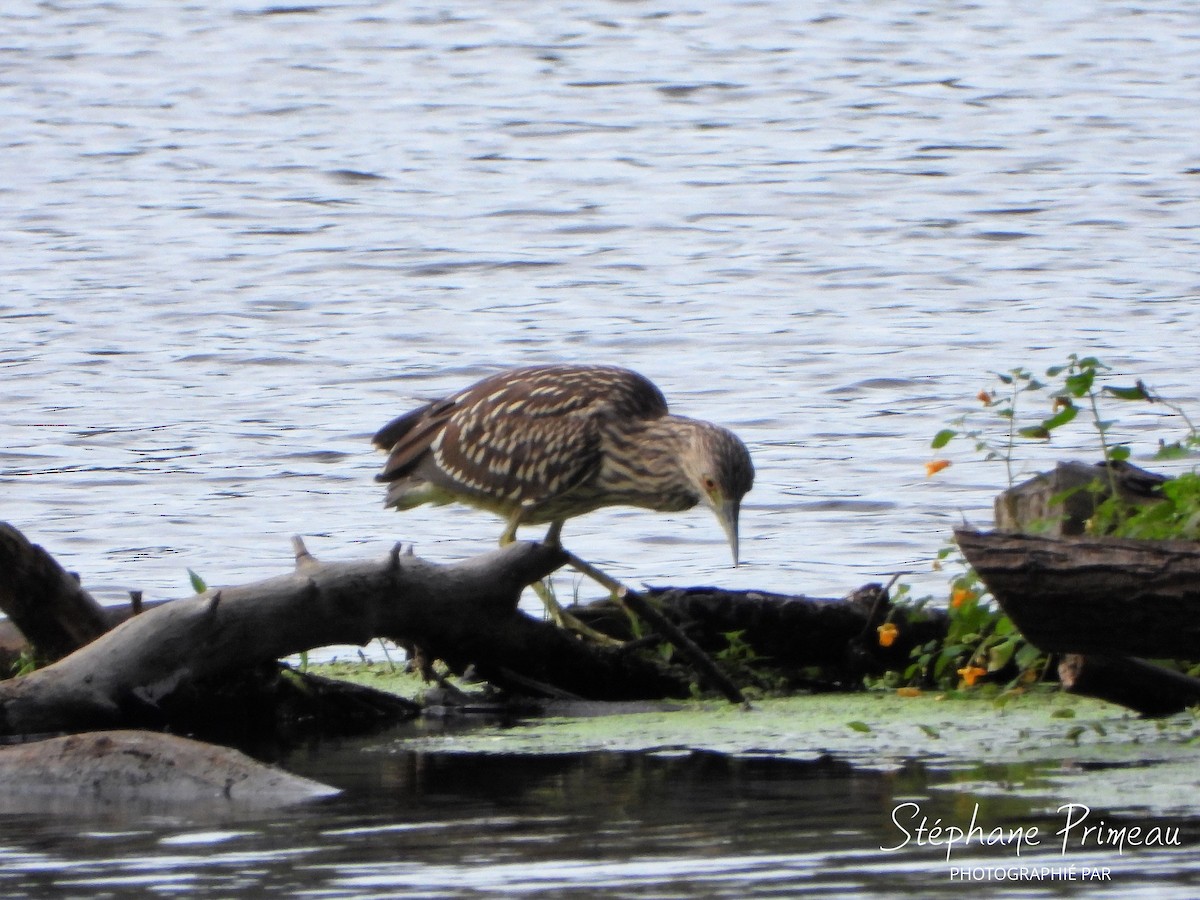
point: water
(600, 824)
(240, 236)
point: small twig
(639, 605)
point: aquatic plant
(982, 643)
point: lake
(241, 236)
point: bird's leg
(558, 615)
(553, 537)
(510, 529)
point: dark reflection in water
(613, 824)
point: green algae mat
(1045, 745)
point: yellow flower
(887, 634)
(960, 596)
(908, 692)
(971, 674)
(934, 466)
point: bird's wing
(510, 447)
(520, 436)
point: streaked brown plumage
(547, 443)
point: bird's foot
(564, 619)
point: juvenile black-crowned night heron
(547, 443)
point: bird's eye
(710, 483)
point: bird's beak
(727, 515)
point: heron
(543, 444)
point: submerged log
(1144, 687)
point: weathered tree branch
(464, 613)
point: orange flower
(887, 634)
(934, 466)
(908, 692)
(971, 674)
(985, 398)
(960, 596)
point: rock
(108, 769)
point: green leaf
(198, 584)
(1064, 415)
(930, 731)
(999, 655)
(1080, 384)
(1028, 656)
(942, 438)
(1119, 453)
(1137, 392)
(1034, 432)
(859, 726)
(1065, 713)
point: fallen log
(1110, 596)
(207, 664)
(789, 635)
(153, 667)
(1060, 502)
(1103, 602)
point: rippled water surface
(238, 237)
(603, 824)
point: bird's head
(718, 465)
